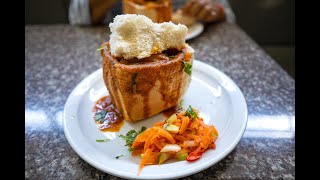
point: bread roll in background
(158, 11)
(179, 17)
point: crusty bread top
(136, 36)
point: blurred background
(271, 23)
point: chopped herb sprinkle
(190, 113)
(131, 136)
(117, 157)
(187, 68)
(102, 140)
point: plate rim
(196, 170)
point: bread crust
(145, 88)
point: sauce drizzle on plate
(107, 116)
(168, 112)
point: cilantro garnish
(99, 49)
(190, 113)
(131, 136)
(100, 116)
(117, 157)
(180, 108)
(187, 67)
(102, 140)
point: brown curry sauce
(168, 112)
(107, 116)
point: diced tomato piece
(213, 145)
(194, 155)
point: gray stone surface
(58, 57)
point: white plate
(218, 98)
(194, 30)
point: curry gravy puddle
(168, 112)
(107, 116)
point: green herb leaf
(187, 68)
(99, 49)
(180, 108)
(191, 114)
(130, 149)
(117, 157)
(100, 116)
(215, 135)
(131, 136)
(142, 129)
(172, 56)
(102, 140)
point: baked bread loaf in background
(179, 17)
(157, 10)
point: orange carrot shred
(157, 142)
(166, 135)
(160, 124)
(148, 141)
(184, 125)
(180, 138)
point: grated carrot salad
(183, 136)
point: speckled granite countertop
(58, 57)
